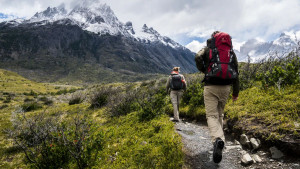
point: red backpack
(221, 64)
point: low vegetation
(107, 126)
(126, 125)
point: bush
(7, 99)
(28, 99)
(152, 103)
(122, 103)
(193, 96)
(3, 106)
(50, 143)
(46, 100)
(31, 93)
(76, 99)
(26, 107)
(284, 71)
(100, 98)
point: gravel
(198, 150)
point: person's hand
(234, 98)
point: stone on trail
(239, 147)
(276, 154)
(256, 158)
(255, 143)
(244, 140)
(246, 159)
(237, 142)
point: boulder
(237, 142)
(246, 159)
(244, 140)
(276, 154)
(255, 143)
(256, 158)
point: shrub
(193, 96)
(122, 103)
(31, 93)
(28, 99)
(46, 100)
(3, 106)
(152, 103)
(48, 142)
(284, 71)
(26, 107)
(7, 99)
(100, 98)
(76, 99)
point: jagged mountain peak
(258, 49)
(150, 30)
(90, 11)
(129, 27)
(97, 17)
(54, 13)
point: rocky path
(198, 151)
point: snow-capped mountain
(98, 18)
(50, 14)
(88, 42)
(258, 49)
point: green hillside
(101, 125)
(13, 83)
(127, 125)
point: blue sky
(189, 21)
(3, 16)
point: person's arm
(236, 82)
(199, 59)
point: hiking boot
(218, 147)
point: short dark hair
(215, 32)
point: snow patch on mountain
(257, 49)
(50, 14)
(99, 18)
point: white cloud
(195, 46)
(194, 18)
(237, 45)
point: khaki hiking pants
(215, 98)
(175, 99)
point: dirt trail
(198, 151)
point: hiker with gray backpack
(219, 64)
(176, 85)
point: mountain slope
(87, 44)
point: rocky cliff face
(89, 41)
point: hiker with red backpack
(176, 85)
(219, 64)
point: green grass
(128, 141)
(133, 144)
(270, 113)
(13, 83)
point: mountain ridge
(97, 44)
(258, 50)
